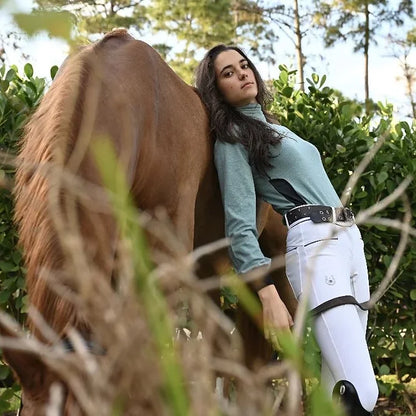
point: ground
(398, 403)
(394, 406)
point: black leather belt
(320, 213)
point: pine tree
(192, 26)
(360, 21)
(402, 48)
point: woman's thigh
(318, 262)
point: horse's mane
(45, 146)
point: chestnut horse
(118, 88)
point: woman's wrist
(268, 292)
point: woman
(255, 158)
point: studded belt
(320, 213)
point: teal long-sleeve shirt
(296, 177)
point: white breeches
(324, 261)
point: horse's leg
(184, 216)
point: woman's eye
(244, 66)
(228, 74)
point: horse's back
(174, 152)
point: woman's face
(235, 80)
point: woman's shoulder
(224, 146)
(284, 131)
(279, 128)
(226, 149)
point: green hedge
(19, 95)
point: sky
(344, 68)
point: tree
(11, 40)
(100, 16)
(299, 45)
(294, 21)
(196, 25)
(360, 21)
(401, 51)
(184, 27)
(189, 26)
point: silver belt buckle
(347, 222)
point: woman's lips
(246, 84)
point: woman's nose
(242, 75)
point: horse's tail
(41, 202)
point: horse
(120, 89)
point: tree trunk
(366, 47)
(408, 73)
(299, 47)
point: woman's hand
(276, 317)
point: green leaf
(230, 298)
(7, 394)
(361, 194)
(299, 114)
(9, 283)
(7, 266)
(54, 71)
(382, 176)
(28, 70)
(4, 84)
(57, 24)
(340, 148)
(384, 370)
(4, 296)
(410, 345)
(287, 91)
(11, 74)
(413, 294)
(4, 372)
(283, 76)
(17, 256)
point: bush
(19, 95)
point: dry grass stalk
(126, 372)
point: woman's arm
(275, 313)
(239, 199)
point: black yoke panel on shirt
(286, 189)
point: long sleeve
(239, 199)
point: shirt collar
(252, 110)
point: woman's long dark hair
(225, 121)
